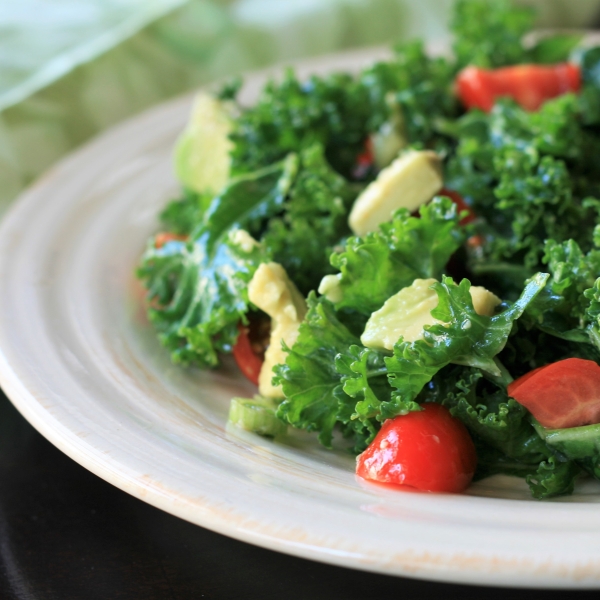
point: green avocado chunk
(402, 315)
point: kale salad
(408, 256)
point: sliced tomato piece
(428, 450)
(164, 237)
(247, 359)
(560, 395)
(529, 85)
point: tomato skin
(529, 85)
(247, 360)
(561, 395)
(428, 450)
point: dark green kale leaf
(248, 201)
(314, 396)
(339, 111)
(489, 34)
(528, 177)
(183, 215)
(417, 88)
(500, 422)
(292, 115)
(563, 307)
(198, 295)
(297, 208)
(313, 220)
(529, 347)
(554, 477)
(463, 337)
(377, 266)
(592, 314)
(505, 440)
(364, 378)
(536, 194)
(197, 290)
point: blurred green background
(71, 68)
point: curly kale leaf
(183, 215)
(197, 296)
(489, 34)
(297, 208)
(375, 267)
(502, 423)
(314, 396)
(592, 313)
(417, 87)
(505, 440)
(529, 177)
(463, 337)
(313, 220)
(575, 443)
(554, 477)
(364, 378)
(339, 111)
(330, 379)
(537, 194)
(292, 115)
(197, 290)
(563, 307)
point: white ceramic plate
(80, 362)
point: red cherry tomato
(164, 237)
(428, 450)
(529, 85)
(560, 395)
(248, 361)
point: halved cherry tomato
(164, 237)
(529, 85)
(428, 450)
(252, 343)
(560, 395)
(247, 360)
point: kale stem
(505, 377)
(376, 372)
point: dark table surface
(66, 534)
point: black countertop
(66, 534)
